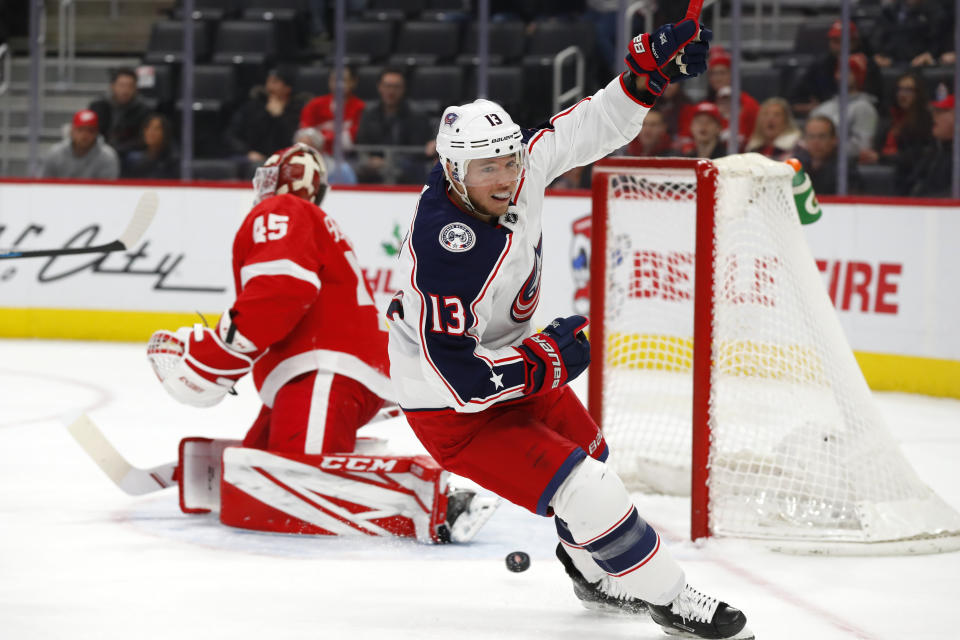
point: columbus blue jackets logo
(529, 295)
(457, 237)
(450, 118)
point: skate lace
(693, 605)
(614, 589)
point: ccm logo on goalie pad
(547, 346)
(357, 464)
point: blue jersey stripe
(543, 504)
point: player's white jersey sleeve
(591, 129)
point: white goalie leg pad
(198, 472)
(339, 494)
(598, 517)
(466, 524)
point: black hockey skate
(695, 615)
(601, 595)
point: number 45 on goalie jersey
(301, 292)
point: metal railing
(647, 8)
(393, 168)
(66, 43)
(560, 98)
(6, 70)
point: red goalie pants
(522, 451)
(316, 412)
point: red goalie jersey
(301, 295)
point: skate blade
(611, 609)
(744, 634)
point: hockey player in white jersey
(485, 394)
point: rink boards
(890, 268)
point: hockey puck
(518, 561)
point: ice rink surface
(80, 559)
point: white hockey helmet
(479, 129)
(298, 170)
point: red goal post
(720, 369)
(706, 183)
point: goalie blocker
(358, 493)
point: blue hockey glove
(652, 56)
(556, 355)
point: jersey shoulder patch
(457, 237)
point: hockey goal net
(721, 369)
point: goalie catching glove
(669, 54)
(195, 365)
(556, 355)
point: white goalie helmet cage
(298, 170)
(472, 131)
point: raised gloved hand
(671, 53)
(195, 366)
(556, 355)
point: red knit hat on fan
(708, 109)
(946, 104)
(86, 118)
(836, 30)
(720, 57)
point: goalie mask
(478, 130)
(298, 170)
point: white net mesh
(165, 350)
(798, 451)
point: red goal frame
(706, 189)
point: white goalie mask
(473, 131)
(298, 170)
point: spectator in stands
(776, 133)
(84, 154)
(818, 155)
(653, 139)
(862, 117)
(706, 128)
(267, 120)
(718, 78)
(677, 109)
(341, 173)
(121, 111)
(908, 31)
(907, 126)
(928, 172)
(320, 112)
(724, 107)
(156, 157)
(575, 178)
(393, 121)
(819, 82)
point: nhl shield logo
(457, 237)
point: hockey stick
(142, 217)
(134, 480)
(693, 9)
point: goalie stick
(142, 217)
(134, 480)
